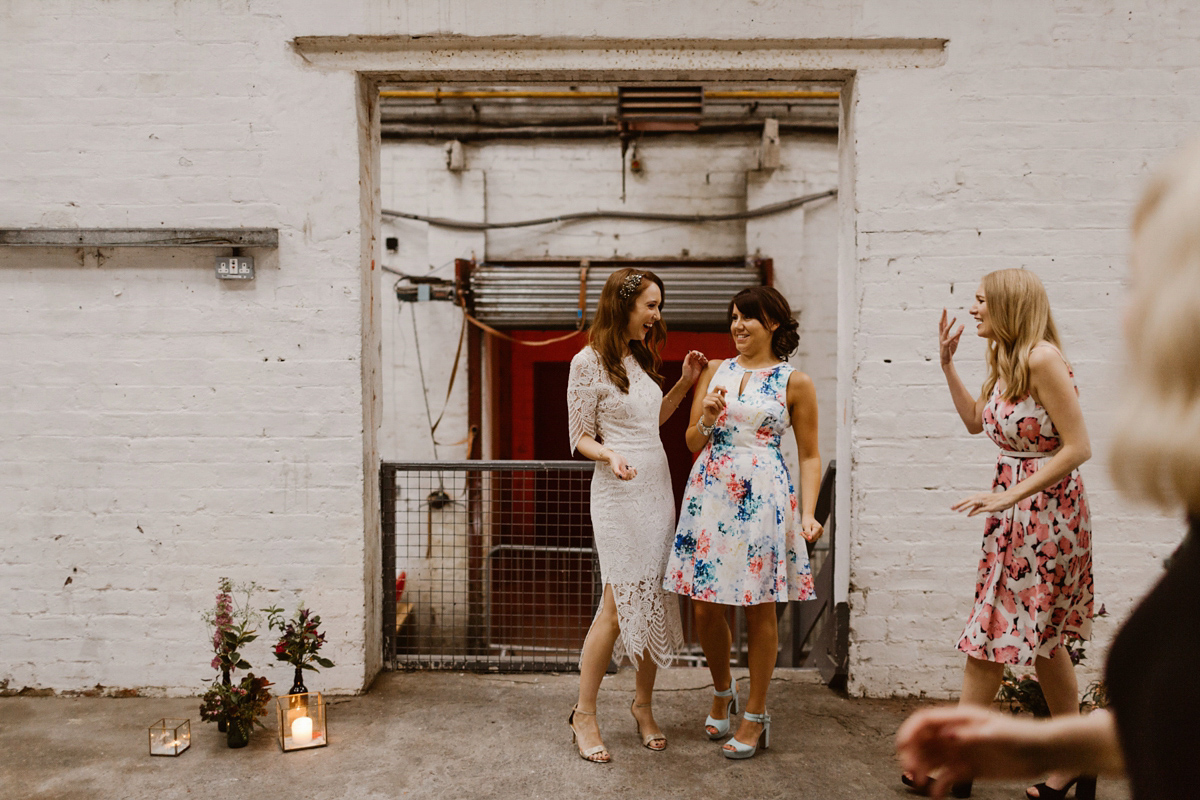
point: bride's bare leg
(597, 652)
(643, 699)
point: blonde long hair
(1019, 312)
(1158, 437)
(608, 335)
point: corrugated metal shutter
(546, 296)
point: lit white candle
(302, 730)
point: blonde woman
(1152, 733)
(1035, 575)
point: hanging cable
(462, 335)
(762, 211)
(483, 326)
(424, 389)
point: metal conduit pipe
(650, 216)
(486, 94)
(463, 133)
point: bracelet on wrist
(705, 430)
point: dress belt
(1026, 454)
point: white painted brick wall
(1028, 146)
(161, 429)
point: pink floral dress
(738, 540)
(1035, 575)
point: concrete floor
(449, 735)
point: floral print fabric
(738, 540)
(1035, 574)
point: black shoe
(1085, 789)
(960, 790)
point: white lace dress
(633, 521)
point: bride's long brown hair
(608, 333)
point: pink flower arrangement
(222, 620)
(232, 625)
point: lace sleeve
(583, 396)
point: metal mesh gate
(497, 564)
(489, 565)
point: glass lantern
(170, 737)
(300, 721)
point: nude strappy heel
(648, 739)
(596, 755)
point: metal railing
(490, 566)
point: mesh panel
(499, 571)
(494, 569)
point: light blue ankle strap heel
(735, 749)
(721, 726)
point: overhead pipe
(488, 94)
(649, 216)
(404, 130)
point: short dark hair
(767, 305)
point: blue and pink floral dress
(738, 540)
(1035, 575)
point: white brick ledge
(462, 57)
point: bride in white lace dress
(616, 405)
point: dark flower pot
(238, 734)
(222, 725)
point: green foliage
(1023, 693)
(241, 704)
(299, 638)
(233, 624)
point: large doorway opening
(685, 185)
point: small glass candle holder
(300, 721)
(170, 737)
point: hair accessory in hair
(629, 286)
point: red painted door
(542, 587)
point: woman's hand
(619, 466)
(693, 364)
(713, 405)
(810, 529)
(987, 502)
(963, 742)
(948, 340)
(966, 742)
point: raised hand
(693, 364)
(948, 338)
(712, 406)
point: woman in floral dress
(1035, 575)
(741, 534)
(615, 405)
